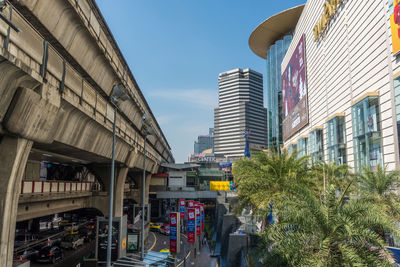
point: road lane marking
(155, 241)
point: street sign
(191, 225)
(174, 232)
(198, 220)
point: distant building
(204, 142)
(240, 109)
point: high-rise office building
(270, 40)
(204, 142)
(240, 109)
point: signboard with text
(294, 92)
(174, 232)
(191, 225)
(219, 186)
(198, 220)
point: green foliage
(326, 217)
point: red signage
(198, 220)
(191, 225)
(173, 231)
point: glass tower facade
(275, 55)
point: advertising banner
(219, 186)
(202, 216)
(394, 9)
(174, 232)
(191, 204)
(191, 225)
(198, 220)
(118, 238)
(182, 207)
(102, 240)
(133, 242)
(294, 92)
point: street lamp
(118, 95)
(146, 130)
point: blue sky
(177, 48)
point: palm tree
(325, 231)
(379, 186)
(330, 173)
(266, 176)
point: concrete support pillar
(104, 172)
(119, 187)
(14, 154)
(147, 188)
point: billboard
(294, 92)
(219, 186)
(394, 9)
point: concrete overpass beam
(14, 152)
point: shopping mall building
(333, 80)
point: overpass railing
(33, 187)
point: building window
(367, 133)
(316, 146)
(302, 145)
(292, 148)
(397, 106)
(336, 145)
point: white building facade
(353, 83)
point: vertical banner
(182, 207)
(174, 232)
(198, 220)
(191, 225)
(394, 12)
(202, 216)
(191, 204)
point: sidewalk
(205, 259)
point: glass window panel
(367, 133)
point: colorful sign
(191, 225)
(202, 216)
(294, 92)
(174, 232)
(198, 220)
(182, 207)
(191, 203)
(219, 186)
(394, 9)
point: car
(27, 254)
(49, 254)
(72, 241)
(165, 251)
(73, 227)
(155, 226)
(164, 229)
